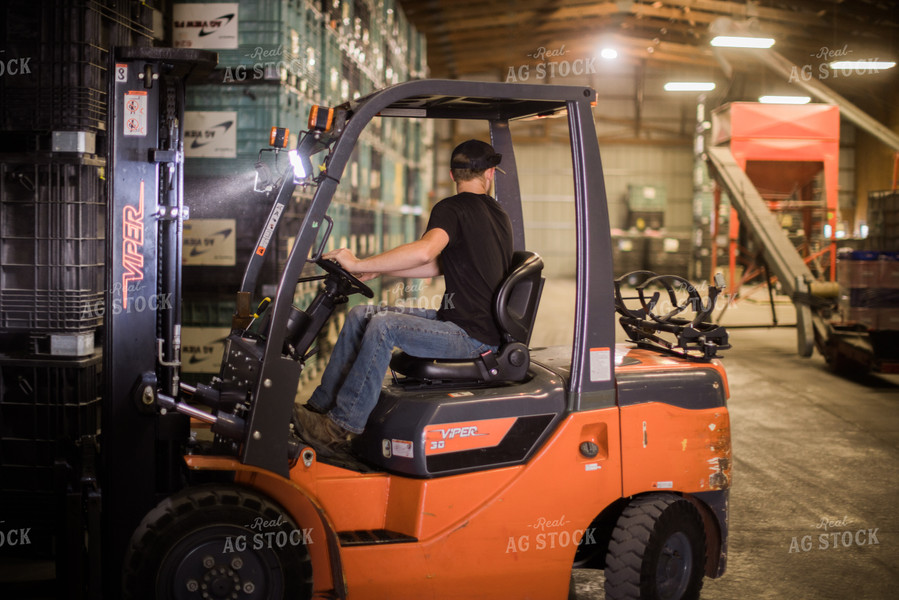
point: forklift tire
(216, 541)
(657, 551)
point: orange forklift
(488, 478)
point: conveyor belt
(779, 252)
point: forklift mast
(141, 449)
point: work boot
(319, 431)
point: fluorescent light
(784, 99)
(689, 86)
(609, 53)
(736, 41)
(875, 65)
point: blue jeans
(351, 383)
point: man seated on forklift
(469, 241)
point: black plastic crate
(229, 197)
(52, 247)
(883, 220)
(60, 50)
(45, 409)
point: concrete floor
(811, 450)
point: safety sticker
(121, 73)
(401, 448)
(600, 364)
(269, 229)
(136, 113)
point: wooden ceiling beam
(469, 36)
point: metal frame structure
(497, 103)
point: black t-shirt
(474, 262)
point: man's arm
(415, 259)
(432, 269)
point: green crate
(388, 182)
(377, 56)
(338, 16)
(278, 40)
(258, 108)
(331, 70)
(646, 197)
(207, 311)
(418, 54)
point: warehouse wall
(543, 155)
(545, 175)
(876, 159)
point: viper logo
(132, 244)
(471, 435)
(471, 431)
(210, 134)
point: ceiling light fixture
(609, 53)
(738, 41)
(689, 86)
(875, 65)
(784, 99)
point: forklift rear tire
(657, 551)
(217, 541)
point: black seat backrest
(518, 296)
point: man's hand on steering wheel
(350, 263)
(345, 257)
(342, 262)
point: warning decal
(136, 113)
(600, 364)
(401, 448)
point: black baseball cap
(475, 155)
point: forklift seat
(514, 308)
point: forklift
(485, 478)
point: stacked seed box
(276, 59)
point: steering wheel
(333, 267)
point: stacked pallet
(276, 59)
(869, 289)
(53, 214)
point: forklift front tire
(216, 541)
(657, 551)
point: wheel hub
(205, 571)
(674, 567)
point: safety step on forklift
(489, 478)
